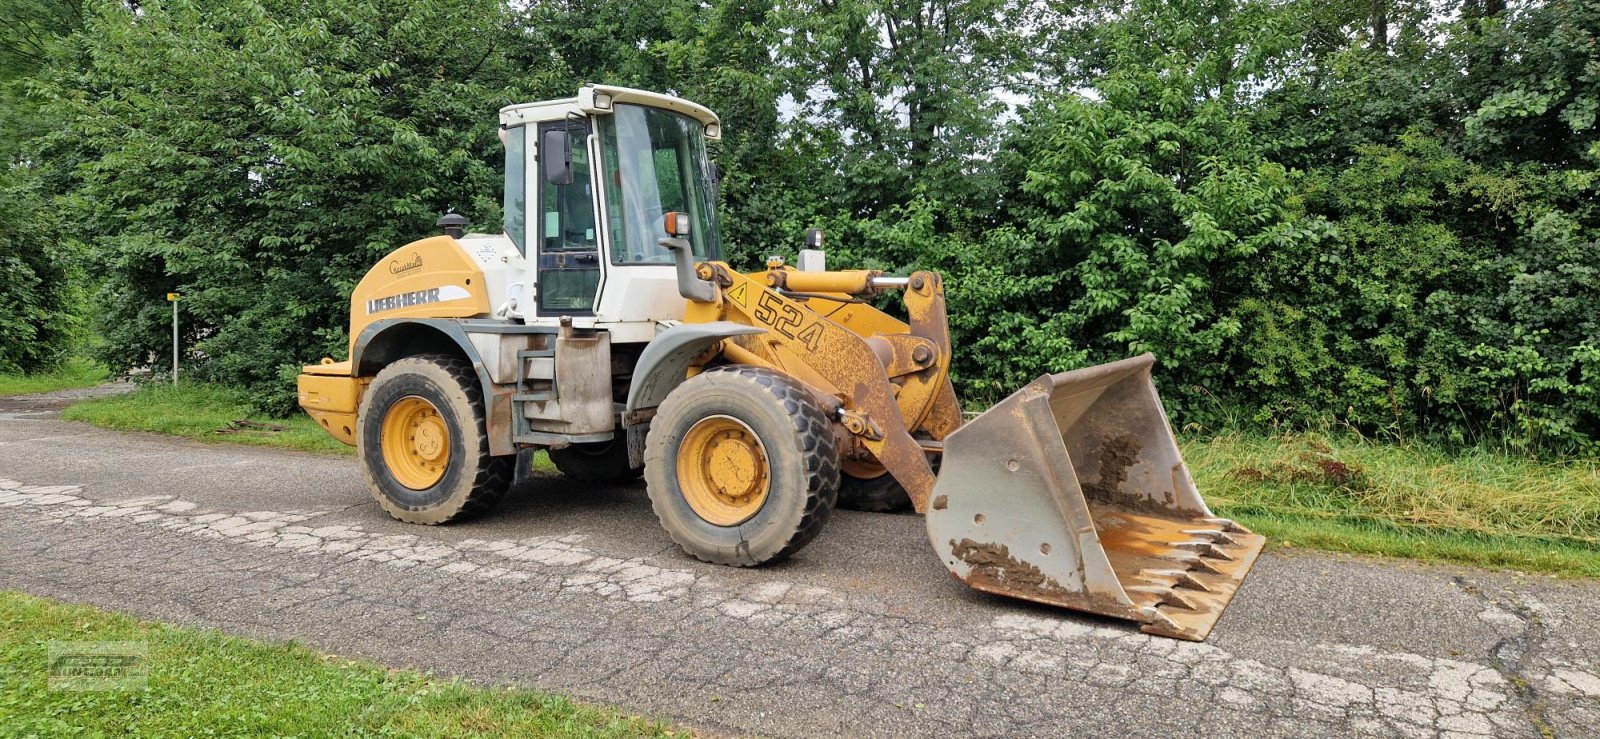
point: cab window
(569, 251)
(516, 204)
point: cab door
(566, 236)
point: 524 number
(787, 320)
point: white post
(173, 298)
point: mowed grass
(203, 412)
(1348, 494)
(203, 683)
(214, 414)
(73, 373)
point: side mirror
(555, 157)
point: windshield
(655, 163)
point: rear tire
(601, 461)
(422, 443)
(881, 494)
(742, 466)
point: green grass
(1322, 491)
(203, 412)
(74, 373)
(202, 683)
(1352, 495)
(213, 414)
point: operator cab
(588, 180)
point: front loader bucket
(1072, 492)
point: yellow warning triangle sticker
(740, 295)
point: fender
(384, 341)
(665, 360)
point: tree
(897, 97)
(259, 156)
(40, 302)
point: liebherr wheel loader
(602, 326)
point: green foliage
(1404, 283)
(893, 96)
(1542, 106)
(1455, 296)
(40, 293)
(1147, 216)
(38, 297)
(1380, 215)
(257, 157)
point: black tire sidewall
(432, 383)
(881, 494)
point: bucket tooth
(1204, 549)
(1161, 596)
(1188, 580)
(1073, 492)
(1180, 579)
(1214, 536)
(1227, 524)
(1154, 618)
(1195, 563)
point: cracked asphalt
(575, 589)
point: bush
(1449, 300)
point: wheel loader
(602, 326)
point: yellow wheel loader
(602, 326)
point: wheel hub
(416, 442)
(723, 470)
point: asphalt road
(575, 589)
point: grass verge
(203, 412)
(213, 414)
(199, 683)
(1352, 495)
(1328, 492)
(76, 372)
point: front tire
(423, 445)
(742, 466)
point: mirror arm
(690, 286)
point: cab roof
(595, 99)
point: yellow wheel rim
(723, 470)
(416, 443)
